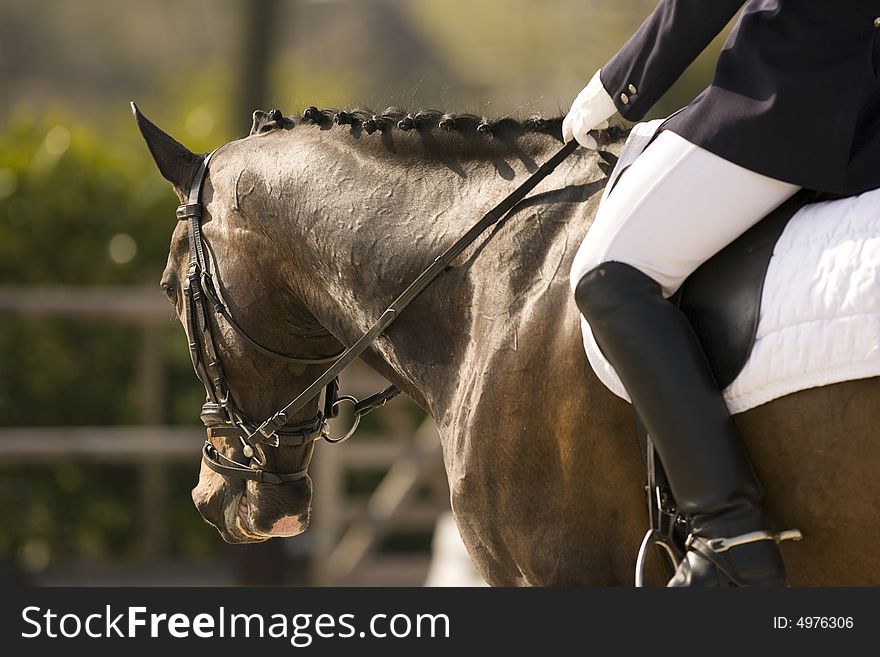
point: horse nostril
(242, 509)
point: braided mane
(395, 118)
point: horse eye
(170, 292)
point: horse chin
(241, 517)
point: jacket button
(633, 90)
(877, 22)
(624, 99)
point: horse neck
(368, 214)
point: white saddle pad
(820, 311)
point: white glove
(590, 111)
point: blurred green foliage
(68, 194)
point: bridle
(223, 416)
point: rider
(795, 102)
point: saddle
(722, 298)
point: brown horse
(315, 225)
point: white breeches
(673, 209)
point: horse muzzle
(251, 512)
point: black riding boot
(657, 356)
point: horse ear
(177, 164)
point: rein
(222, 415)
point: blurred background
(99, 430)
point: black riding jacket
(796, 91)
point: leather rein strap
(222, 415)
(270, 426)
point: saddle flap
(722, 298)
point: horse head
(241, 327)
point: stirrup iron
(663, 515)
